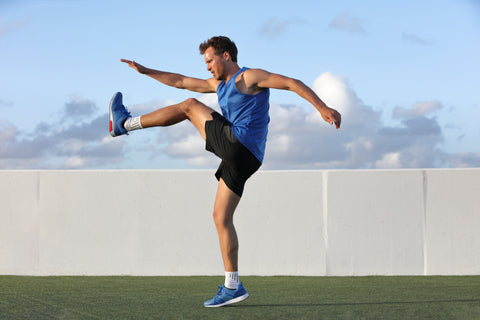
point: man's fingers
(335, 118)
(129, 62)
(338, 122)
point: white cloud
(6, 103)
(275, 26)
(78, 109)
(210, 99)
(410, 37)
(389, 161)
(464, 160)
(189, 145)
(335, 92)
(12, 26)
(147, 107)
(280, 145)
(418, 109)
(347, 22)
(203, 162)
(8, 130)
(74, 162)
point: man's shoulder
(213, 83)
(253, 71)
(253, 75)
(249, 79)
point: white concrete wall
(154, 222)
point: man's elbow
(295, 85)
(179, 84)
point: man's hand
(134, 65)
(331, 116)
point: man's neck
(233, 68)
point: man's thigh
(199, 113)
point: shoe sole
(112, 132)
(235, 300)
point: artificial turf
(452, 297)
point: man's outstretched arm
(174, 79)
(261, 79)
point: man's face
(215, 63)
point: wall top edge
(213, 170)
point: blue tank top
(247, 113)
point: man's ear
(226, 55)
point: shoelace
(219, 293)
(125, 111)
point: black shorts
(238, 163)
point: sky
(403, 74)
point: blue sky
(403, 74)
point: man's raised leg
(190, 109)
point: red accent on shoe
(111, 126)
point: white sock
(231, 280)
(132, 124)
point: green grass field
(270, 298)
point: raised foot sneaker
(118, 115)
(227, 296)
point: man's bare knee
(189, 105)
(196, 112)
(221, 219)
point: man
(238, 137)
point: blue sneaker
(227, 296)
(118, 115)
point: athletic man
(238, 137)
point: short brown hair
(220, 44)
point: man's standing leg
(226, 202)
(232, 291)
